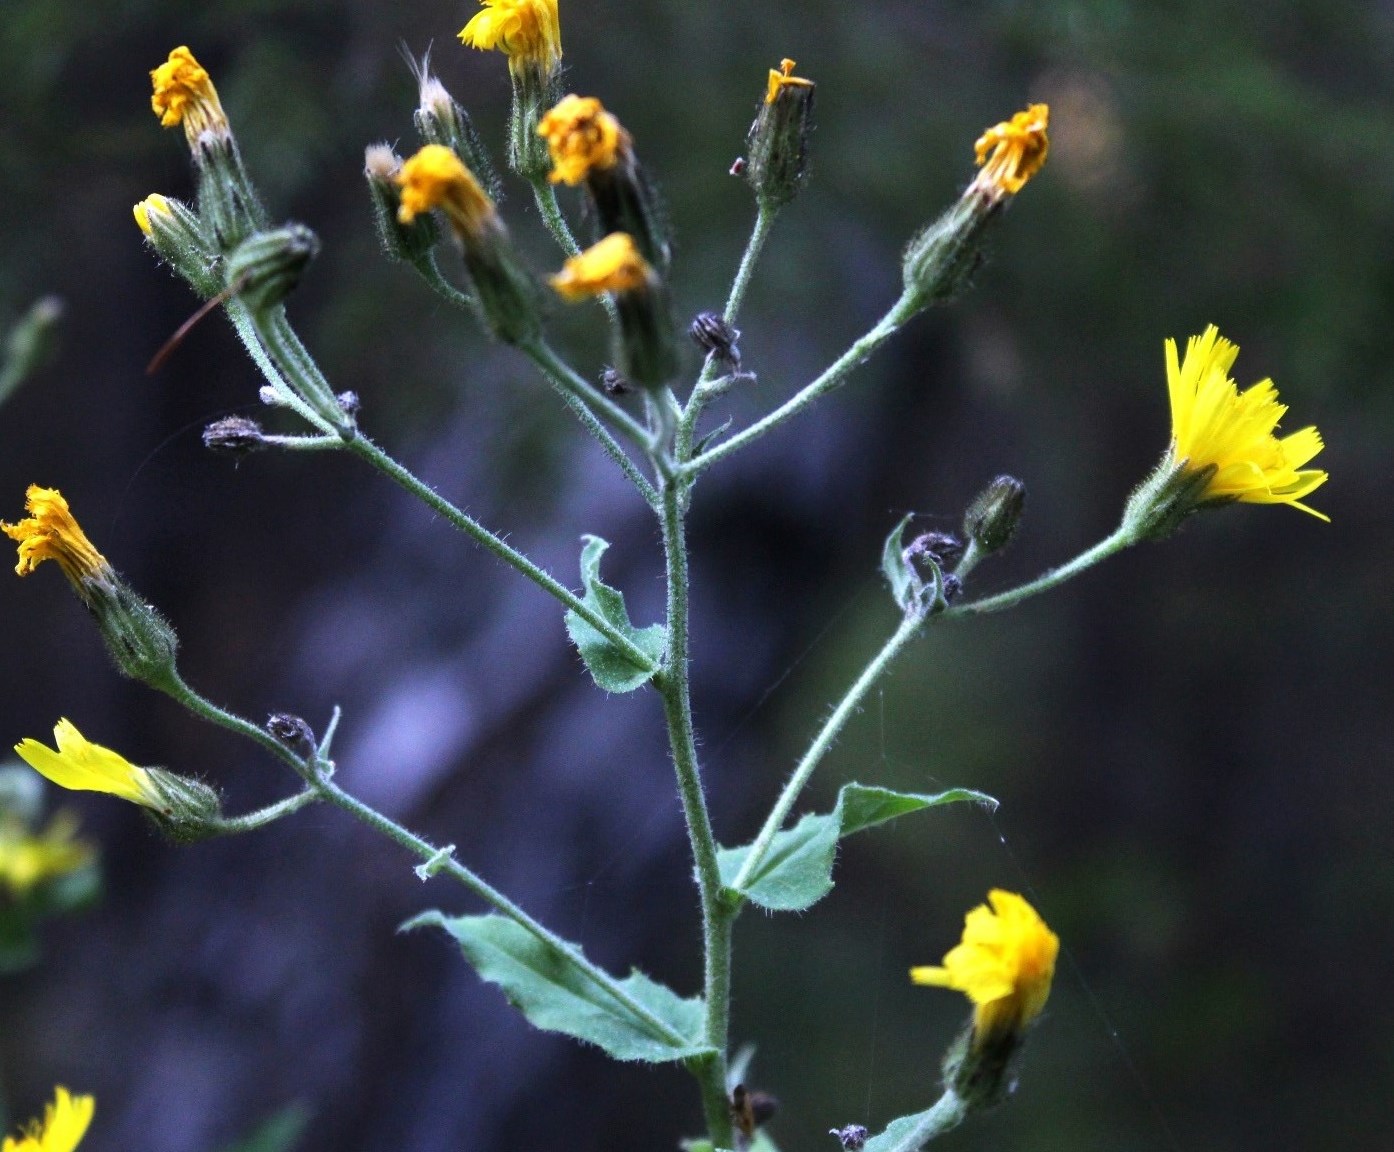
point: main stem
(717, 916)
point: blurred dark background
(1191, 744)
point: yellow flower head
(26, 860)
(184, 94)
(1004, 964)
(154, 203)
(581, 136)
(1012, 152)
(528, 31)
(51, 533)
(81, 766)
(62, 1128)
(1213, 424)
(612, 265)
(782, 77)
(436, 178)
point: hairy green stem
(251, 340)
(831, 378)
(909, 628)
(1121, 538)
(365, 448)
(717, 916)
(441, 861)
(250, 821)
(545, 194)
(947, 1113)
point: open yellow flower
(62, 1128)
(1004, 965)
(436, 178)
(27, 860)
(581, 136)
(51, 533)
(783, 77)
(611, 265)
(1011, 152)
(81, 766)
(1214, 425)
(184, 94)
(528, 31)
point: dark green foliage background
(1192, 745)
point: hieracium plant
(437, 212)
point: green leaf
(554, 990)
(900, 574)
(613, 668)
(278, 1133)
(797, 871)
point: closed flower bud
(441, 120)
(266, 267)
(234, 436)
(776, 163)
(176, 234)
(714, 336)
(992, 518)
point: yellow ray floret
(1213, 424)
(154, 203)
(184, 94)
(62, 1128)
(436, 178)
(81, 766)
(1004, 965)
(783, 77)
(612, 265)
(528, 31)
(27, 860)
(581, 136)
(1011, 152)
(51, 533)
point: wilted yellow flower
(1012, 152)
(1214, 425)
(153, 203)
(782, 77)
(62, 1128)
(51, 533)
(27, 860)
(528, 31)
(581, 136)
(81, 766)
(184, 94)
(1004, 965)
(612, 265)
(436, 178)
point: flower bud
(776, 163)
(265, 267)
(992, 518)
(176, 234)
(30, 343)
(711, 333)
(440, 120)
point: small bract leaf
(900, 573)
(612, 667)
(555, 992)
(797, 871)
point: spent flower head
(64, 1123)
(527, 31)
(581, 137)
(51, 533)
(28, 859)
(184, 94)
(1011, 152)
(1215, 426)
(611, 265)
(436, 178)
(1004, 964)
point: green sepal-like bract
(797, 871)
(612, 667)
(553, 989)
